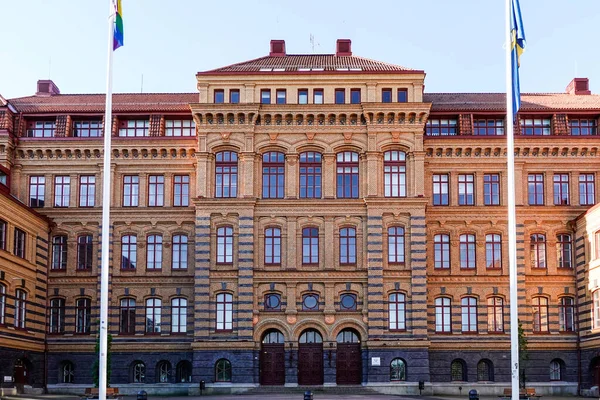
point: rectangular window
(273, 175)
(84, 252)
(561, 189)
(596, 309)
(57, 316)
(37, 189)
(128, 252)
(179, 315)
(443, 315)
(493, 251)
(587, 190)
(3, 226)
(402, 95)
(596, 245)
(397, 312)
(87, 191)
(495, 310)
(234, 96)
(535, 189)
(2, 303)
(340, 96)
(467, 251)
(59, 253)
(154, 252)
(62, 191)
(281, 95)
(180, 127)
(131, 190)
(564, 251)
(566, 314)
(127, 317)
(41, 129)
(466, 195)
(394, 173)
(386, 95)
(181, 190)
(310, 246)
(219, 96)
(226, 169)
(87, 128)
(180, 252)
(583, 127)
(441, 127)
(354, 96)
(536, 126)
(224, 312)
(540, 315)
(265, 96)
(134, 128)
(20, 309)
(153, 315)
(156, 191)
(491, 189)
(273, 246)
(347, 175)
(440, 190)
(469, 315)
(441, 251)
(83, 316)
(488, 127)
(348, 246)
(538, 250)
(225, 245)
(302, 96)
(310, 175)
(19, 243)
(317, 96)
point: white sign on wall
(8, 379)
(375, 361)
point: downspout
(45, 322)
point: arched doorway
(21, 372)
(310, 358)
(272, 358)
(349, 359)
(595, 371)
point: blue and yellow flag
(118, 33)
(517, 38)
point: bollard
(202, 387)
(473, 395)
(142, 395)
(308, 395)
(421, 386)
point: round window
(310, 302)
(273, 301)
(348, 302)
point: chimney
(579, 86)
(45, 87)
(343, 47)
(277, 48)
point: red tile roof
(294, 62)
(94, 103)
(454, 102)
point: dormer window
(219, 96)
(402, 95)
(134, 128)
(41, 128)
(583, 127)
(441, 127)
(536, 126)
(488, 127)
(87, 128)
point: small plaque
(8, 378)
(375, 361)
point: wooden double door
(348, 364)
(272, 364)
(310, 364)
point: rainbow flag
(118, 33)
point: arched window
(540, 314)
(127, 320)
(397, 311)
(443, 315)
(83, 316)
(310, 175)
(467, 251)
(564, 251)
(84, 251)
(347, 336)
(538, 250)
(180, 252)
(225, 245)
(163, 372)
(493, 251)
(184, 372)
(396, 245)
(128, 252)
(179, 315)
(469, 314)
(273, 336)
(441, 251)
(154, 252)
(3, 227)
(273, 166)
(310, 336)
(566, 314)
(398, 370)
(20, 308)
(273, 246)
(67, 372)
(596, 309)
(153, 314)
(224, 312)
(458, 370)
(57, 316)
(394, 173)
(59, 252)
(223, 371)
(347, 175)
(348, 246)
(556, 370)
(226, 170)
(138, 372)
(310, 246)
(495, 310)
(485, 371)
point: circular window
(348, 302)
(273, 302)
(310, 302)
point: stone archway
(348, 358)
(272, 358)
(310, 358)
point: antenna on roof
(312, 42)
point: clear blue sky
(457, 42)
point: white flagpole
(106, 211)
(512, 217)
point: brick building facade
(314, 220)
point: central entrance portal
(310, 358)
(349, 360)
(272, 358)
